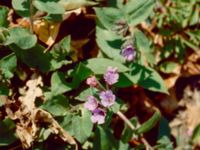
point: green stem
(130, 125)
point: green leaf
(7, 130)
(58, 84)
(82, 126)
(75, 4)
(149, 124)
(110, 44)
(8, 65)
(143, 46)
(57, 105)
(22, 38)
(146, 77)
(138, 11)
(196, 134)
(50, 7)
(59, 53)
(164, 144)
(21, 7)
(133, 13)
(3, 16)
(100, 65)
(43, 135)
(79, 126)
(167, 67)
(84, 94)
(104, 140)
(109, 16)
(34, 57)
(127, 133)
(80, 73)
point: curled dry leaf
(45, 117)
(33, 91)
(29, 118)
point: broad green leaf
(59, 53)
(50, 7)
(79, 126)
(100, 65)
(22, 38)
(8, 65)
(7, 132)
(22, 7)
(34, 57)
(133, 13)
(80, 73)
(104, 140)
(167, 67)
(109, 16)
(150, 79)
(149, 124)
(110, 44)
(62, 49)
(57, 105)
(3, 16)
(164, 144)
(138, 11)
(82, 126)
(146, 77)
(143, 46)
(75, 4)
(58, 84)
(84, 94)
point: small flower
(92, 81)
(129, 52)
(111, 76)
(107, 98)
(98, 116)
(91, 104)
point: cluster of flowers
(107, 98)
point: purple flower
(92, 81)
(107, 98)
(98, 116)
(91, 103)
(129, 52)
(111, 76)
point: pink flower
(111, 76)
(92, 81)
(98, 116)
(107, 98)
(91, 103)
(129, 52)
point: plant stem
(126, 120)
(130, 125)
